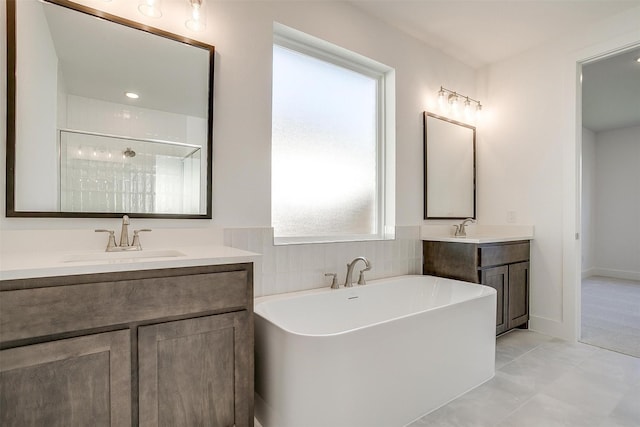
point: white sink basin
(122, 256)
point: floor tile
(591, 392)
(545, 411)
(546, 382)
(628, 408)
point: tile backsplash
(290, 268)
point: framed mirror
(105, 116)
(449, 168)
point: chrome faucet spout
(348, 280)
(124, 233)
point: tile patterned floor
(546, 382)
(611, 314)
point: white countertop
(477, 233)
(23, 265)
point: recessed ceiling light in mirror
(131, 95)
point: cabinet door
(196, 372)
(518, 294)
(497, 278)
(84, 381)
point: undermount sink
(122, 256)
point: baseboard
(617, 274)
(588, 273)
(550, 327)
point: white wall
(589, 201)
(242, 34)
(528, 160)
(617, 211)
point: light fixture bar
(443, 91)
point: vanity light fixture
(150, 8)
(450, 100)
(196, 17)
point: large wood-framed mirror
(449, 168)
(77, 144)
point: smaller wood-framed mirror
(449, 168)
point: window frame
(384, 75)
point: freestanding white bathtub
(382, 354)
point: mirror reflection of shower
(101, 172)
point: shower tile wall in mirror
(76, 145)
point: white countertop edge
(28, 266)
(471, 239)
(478, 233)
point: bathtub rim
(487, 291)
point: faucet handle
(136, 238)
(334, 280)
(112, 238)
(361, 280)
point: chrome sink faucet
(348, 280)
(124, 232)
(461, 229)
(124, 238)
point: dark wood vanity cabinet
(171, 347)
(503, 266)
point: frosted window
(324, 148)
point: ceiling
(482, 32)
(611, 92)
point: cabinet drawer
(503, 254)
(46, 311)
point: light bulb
(196, 21)
(441, 101)
(467, 108)
(150, 8)
(478, 111)
(454, 101)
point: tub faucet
(460, 229)
(348, 280)
(334, 280)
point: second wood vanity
(502, 265)
(170, 347)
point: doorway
(610, 202)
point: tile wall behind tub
(290, 268)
